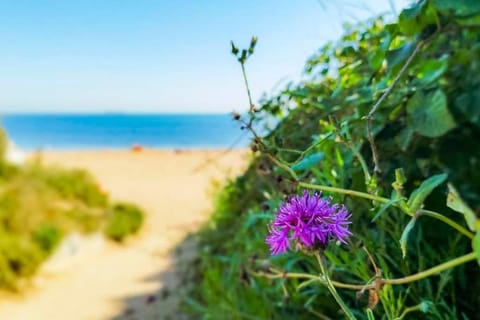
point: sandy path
(101, 280)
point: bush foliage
(391, 110)
(39, 205)
(125, 219)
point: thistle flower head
(308, 220)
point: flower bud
(234, 48)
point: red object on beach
(137, 148)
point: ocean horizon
(76, 131)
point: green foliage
(19, 257)
(124, 220)
(428, 125)
(38, 206)
(75, 185)
(429, 115)
(6, 169)
(47, 237)
(418, 196)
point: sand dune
(90, 278)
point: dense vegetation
(40, 205)
(391, 111)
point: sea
(32, 132)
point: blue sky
(158, 55)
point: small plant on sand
(39, 205)
(124, 220)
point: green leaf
(370, 315)
(460, 7)
(425, 306)
(310, 301)
(419, 195)
(399, 55)
(385, 206)
(455, 202)
(470, 21)
(376, 59)
(431, 70)
(404, 237)
(476, 246)
(308, 162)
(400, 177)
(255, 217)
(404, 138)
(428, 115)
(409, 21)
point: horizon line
(86, 113)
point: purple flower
(308, 220)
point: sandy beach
(103, 280)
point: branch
(369, 116)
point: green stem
(414, 277)
(408, 310)
(283, 166)
(437, 269)
(363, 164)
(343, 191)
(359, 194)
(333, 291)
(448, 221)
(247, 86)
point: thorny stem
(333, 291)
(369, 116)
(414, 277)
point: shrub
(19, 258)
(76, 184)
(422, 132)
(39, 205)
(124, 220)
(47, 237)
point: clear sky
(158, 55)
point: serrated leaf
(431, 70)
(476, 246)
(419, 195)
(455, 202)
(404, 237)
(308, 162)
(428, 115)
